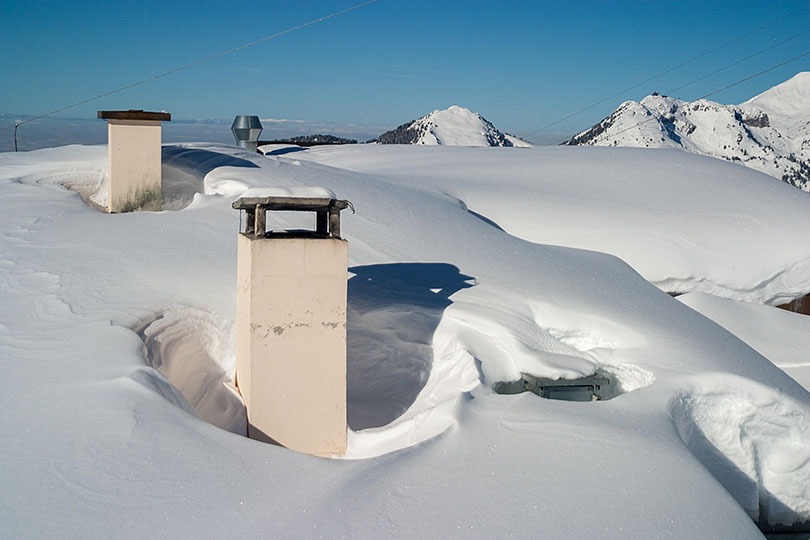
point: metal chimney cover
(246, 130)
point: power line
(192, 64)
(755, 75)
(701, 55)
(671, 92)
(722, 89)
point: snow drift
(684, 222)
(453, 286)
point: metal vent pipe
(246, 130)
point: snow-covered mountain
(455, 126)
(769, 133)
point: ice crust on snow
(466, 268)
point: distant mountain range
(769, 133)
(455, 126)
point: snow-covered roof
(467, 267)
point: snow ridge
(769, 133)
(455, 126)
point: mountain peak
(454, 126)
(769, 133)
(787, 101)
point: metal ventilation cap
(246, 130)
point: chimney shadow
(393, 311)
(285, 150)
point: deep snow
(453, 286)
(779, 335)
(685, 223)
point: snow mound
(455, 126)
(754, 440)
(629, 376)
(639, 205)
(769, 133)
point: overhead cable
(740, 61)
(722, 89)
(196, 63)
(689, 61)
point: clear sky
(522, 65)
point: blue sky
(522, 65)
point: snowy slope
(781, 336)
(455, 126)
(444, 302)
(769, 133)
(640, 205)
(787, 105)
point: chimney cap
(302, 204)
(135, 114)
(327, 210)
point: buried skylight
(605, 383)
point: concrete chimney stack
(134, 159)
(291, 326)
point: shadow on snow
(393, 311)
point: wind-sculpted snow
(195, 352)
(443, 305)
(684, 222)
(754, 440)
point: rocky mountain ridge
(769, 133)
